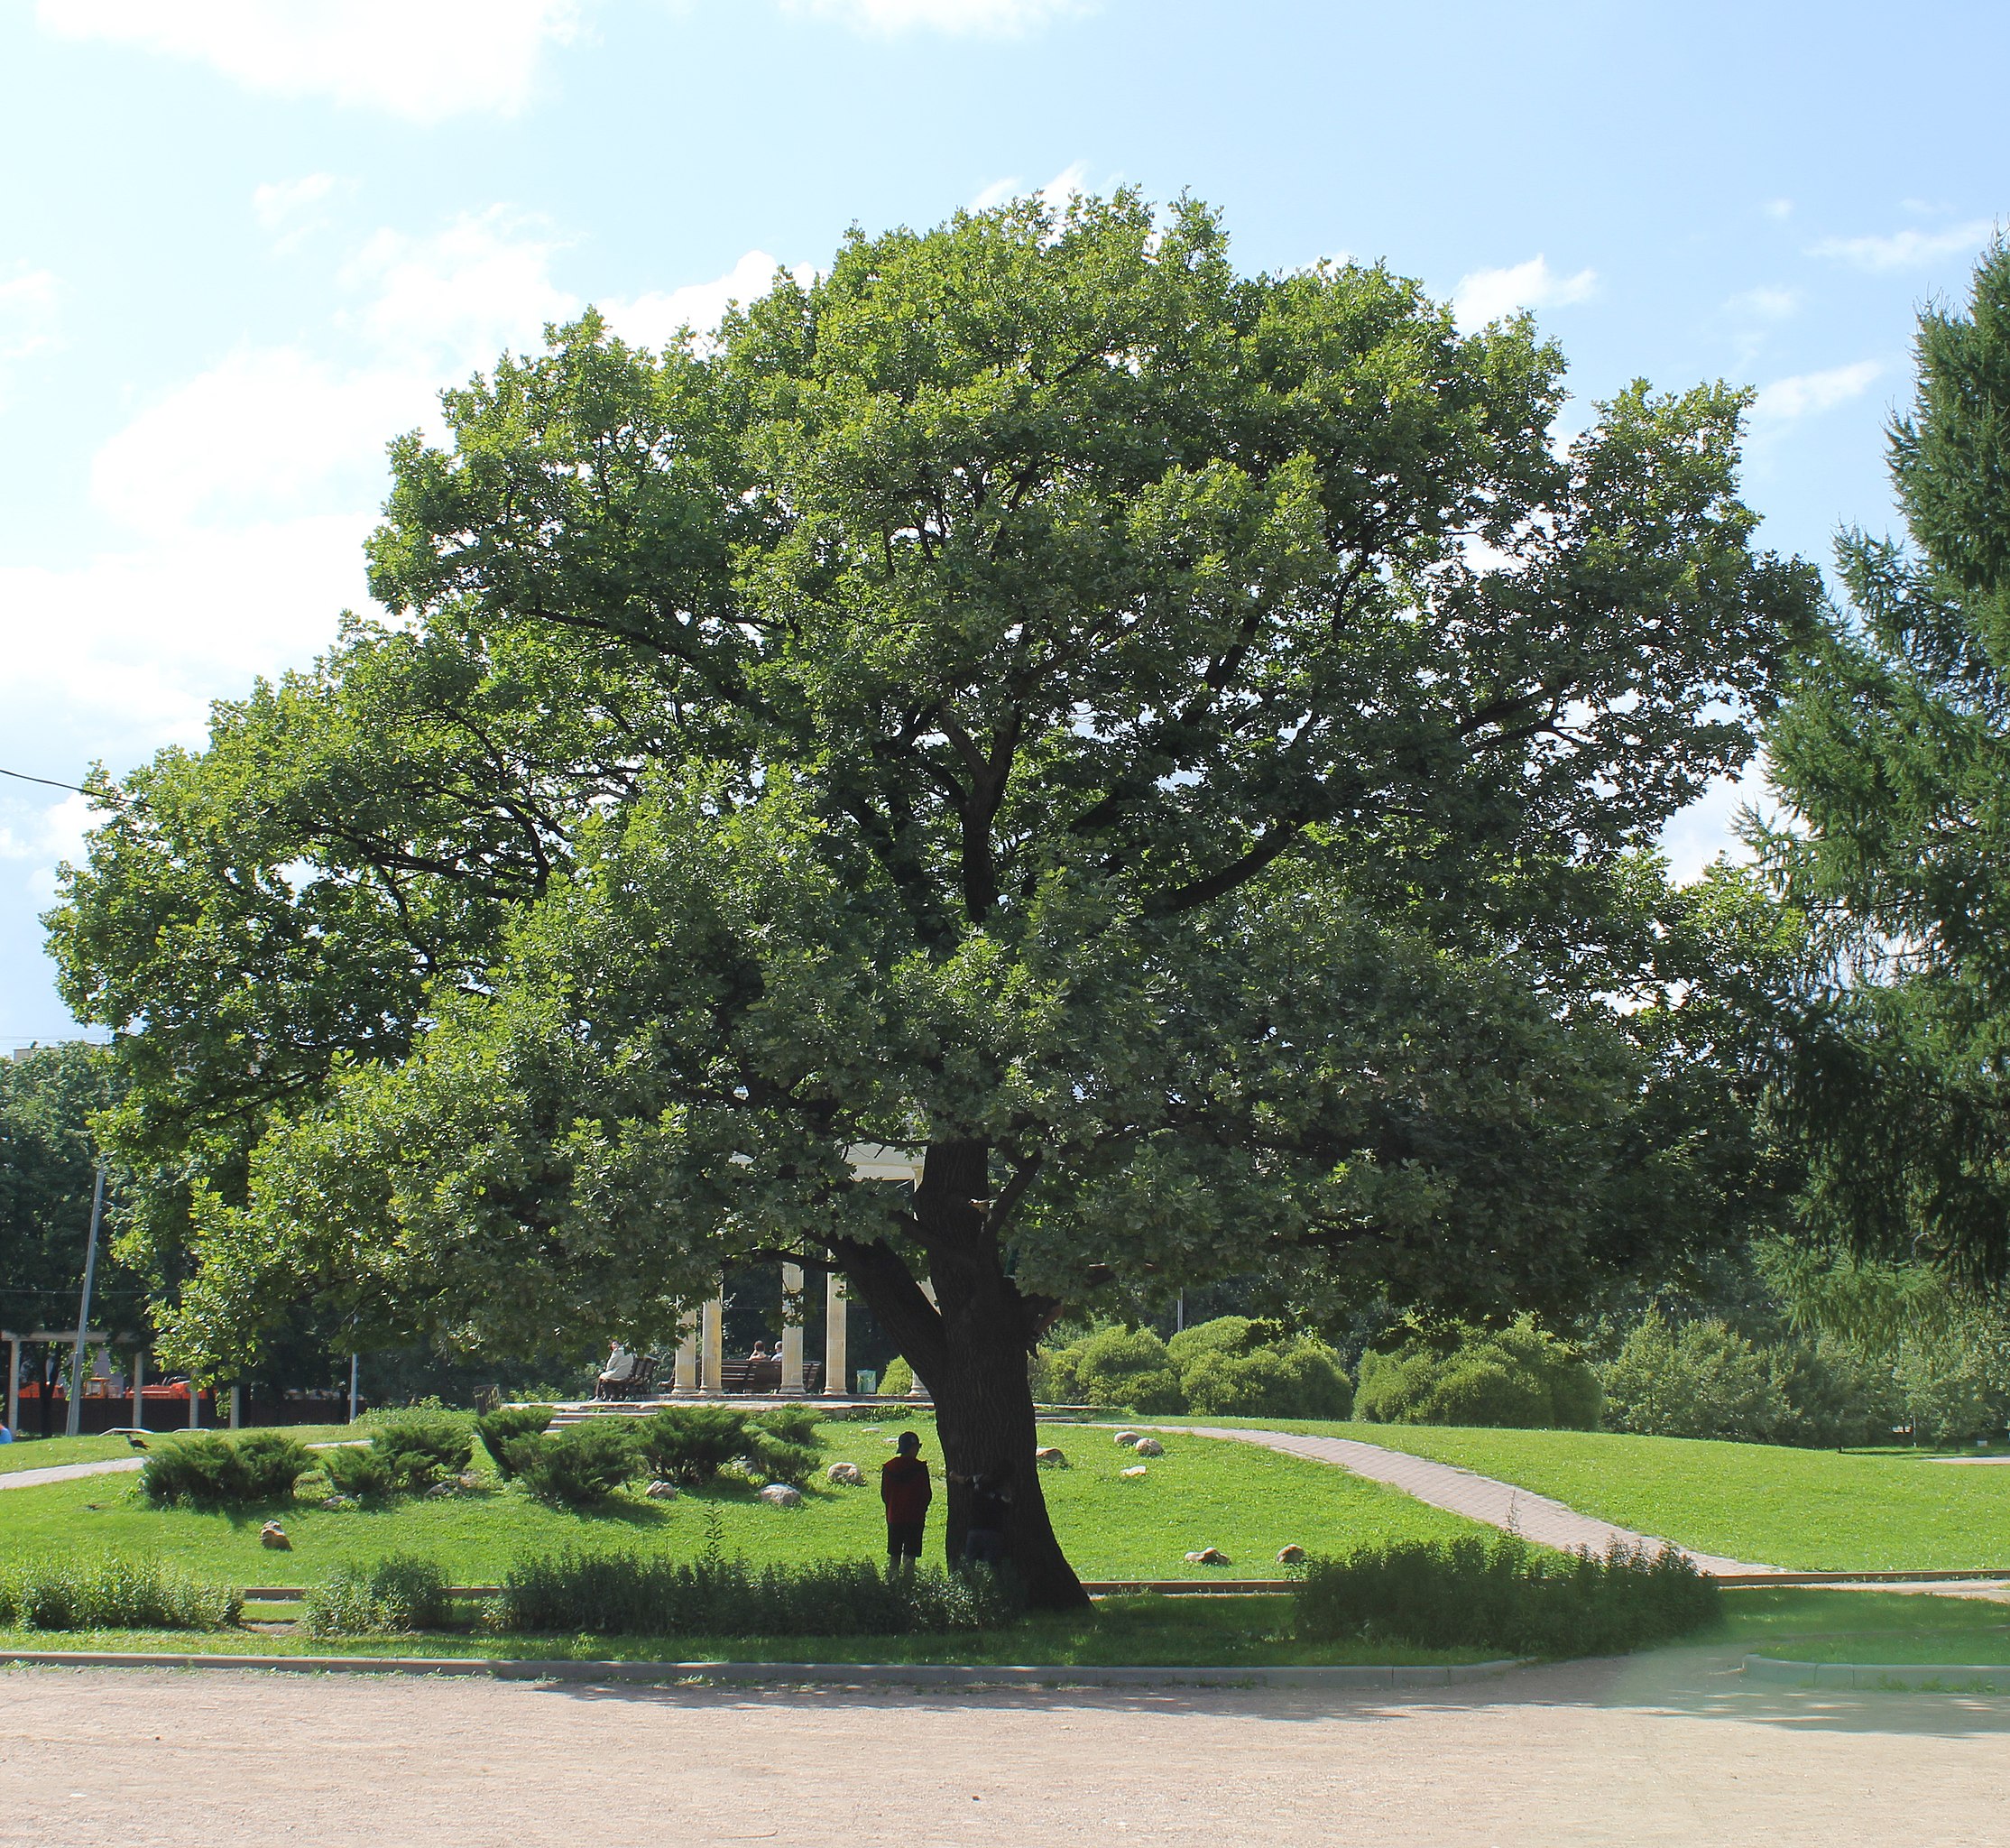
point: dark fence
(166, 1409)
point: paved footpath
(1675, 1750)
(68, 1471)
(1460, 1492)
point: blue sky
(243, 241)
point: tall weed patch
(393, 1596)
(111, 1594)
(638, 1595)
(1506, 1595)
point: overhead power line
(49, 782)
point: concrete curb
(1940, 1677)
(788, 1674)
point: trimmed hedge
(1507, 1594)
(500, 1428)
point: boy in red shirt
(905, 1488)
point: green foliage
(1301, 1379)
(897, 1381)
(1506, 1595)
(776, 1459)
(48, 1162)
(502, 1429)
(691, 1444)
(421, 1447)
(793, 1424)
(207, 1471)
(580, 1466)
(638, 1595)
(1700, 1380)
(70, 1593)
(392, 1596)
(1229, 1334)
(359, 1470)
(1117, 1366)
(1890, 755)
(1519, 1376)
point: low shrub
(793, 1424)
(421, 1447)
(507, 1426)
(897, 1381)
(777, 1459)
(111, 1594)
(579, 1465)
(1506, 1595)
(1520, 1376)
(209, 1471)
(1700, 1380)
(355, 1469)
(638, 1595)
(392, 1596)
(690, 1444)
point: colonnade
(701, 1358)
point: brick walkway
(1459, 1491)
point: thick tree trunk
(969, 1350)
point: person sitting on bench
(620, 1368)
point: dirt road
(1675, 1750)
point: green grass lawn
(1147, 1632)
(1202, 1492)
(1826, 1626)
(48, 1453)
(1815, 1510)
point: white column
(195, 1403)
(792, 1330)
(237, 1407)
(687, 1379)
(14, 1382)
(836, 1382)
(139, 1388)
(712, 1372)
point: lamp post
(76, 1420)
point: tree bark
(970, 1349)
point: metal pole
(1179, 1313)
(353, 1359)
(75, 1421)
(14, 1384)
(139, 1389)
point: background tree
(48, 1164)
(1893, 758)
(1173, 746)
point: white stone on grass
(1147, 1447)
(1050, 1457)
(781, 1496)
(1136, 1469)
(661, 1492)
(1208, 1555)
(273, 1535)
(1291, 1555)
(1126, 1438)
(847, 1475)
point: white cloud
(424, 60)
(126, 650)
(269, 433)
(1486, 295)
(1808, 394)
(1070, 182)
(656, 319)
(1778, 209)
(1765, 304)
(992, 18)
(28, 301)
(1906, 250)
(454, 299)
(284, 200)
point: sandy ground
(1675, 1749)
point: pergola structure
(701, 1346)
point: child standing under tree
(905, 1488)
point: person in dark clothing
(985, 1541)
(905, 1488)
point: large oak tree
(1173, 746)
